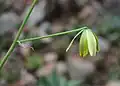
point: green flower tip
(88, 43)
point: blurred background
(48, 64)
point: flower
(88, 43)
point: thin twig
(5, 58)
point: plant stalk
(51, 35)
(5, 58)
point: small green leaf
(53, 78)
(33, 62)
(91, 42)
(63, 81)
(42, 82)
(83, 45)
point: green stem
(5, 58)
(52, 35)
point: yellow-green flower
(88, 43)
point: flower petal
(97, 47)
(91, 42)
(83, 45)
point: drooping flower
(88, 43)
